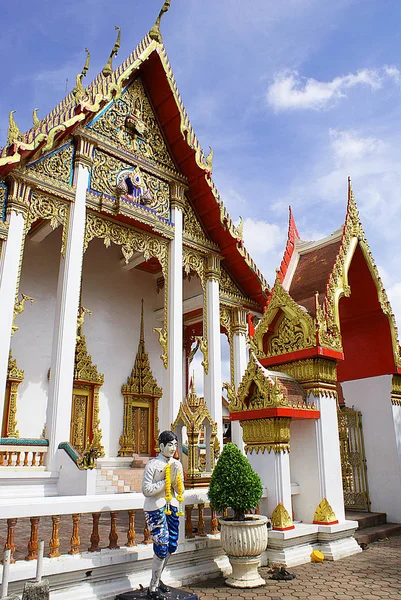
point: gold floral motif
(132, 240)
(57, 165)
(140, 391)
(104, 180)
(229, 290)
(396, 390)
(266, 434)
(324, 514)
(295, 330)
(318, 376)
(195, 416)
(280, 518)
(193, 230)
(14, 377)
(51, 209)
(112, 125)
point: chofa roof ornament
(154, 33)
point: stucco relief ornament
(132, 185)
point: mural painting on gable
(114, 177)
(56, 165)
(131, 124)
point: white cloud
(349, 145)
(291, 91)
(265, 242)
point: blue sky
(293, 96)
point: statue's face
(168, 450)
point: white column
(10, 272)
(213, 379)
(67, 304)
(328, 455)
(239, 350)
(274, 471)
(175, 313)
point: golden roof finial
(209, 159)
(13, 130)
(192, 398)
(108, 68)
(240, 229)
(154, 33)
(35, 119)
(78, 90)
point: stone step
(377, 532)
(119, 480)
(367, 519)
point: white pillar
(65, 324)
(213, 379)
(274, 470)
(17, 207)
(175, 312)
(328, 455)
(239, 328)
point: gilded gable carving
(106, 179)
(57, 165)
(193, 230)
(131, 124)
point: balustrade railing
(15, 452)
(75, 524)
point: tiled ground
(374, 574)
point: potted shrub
(234, 484)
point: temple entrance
(353, 460)
(141, 426)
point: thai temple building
(119, 261)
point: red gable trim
(298, 414)
(289, 249)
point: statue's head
(168, 443)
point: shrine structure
(118, 263)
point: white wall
(191, 288)
(304, 469)
(31, 344)
(112, 333)
(372, 396)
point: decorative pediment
(285, 326)
(57, 165)
(141, 382)
(258, 390)
(84, 369)
(193, 232)
(129, 123)
(116, 178)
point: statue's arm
(149, 487)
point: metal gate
(353, 460)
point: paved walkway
(374, 574)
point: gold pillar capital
(239, 323)
(213, 267)
(177, 195)
(19, 194)
(83, 151)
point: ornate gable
(285, 326)
(130, 123)
(57, 165)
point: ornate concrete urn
(244, 542)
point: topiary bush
(234, 484)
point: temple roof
(149, 59)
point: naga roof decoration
(150, 59)
(310, 324)
(289, 249)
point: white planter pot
(244, 542)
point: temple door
(81, 419)
(141, 426)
